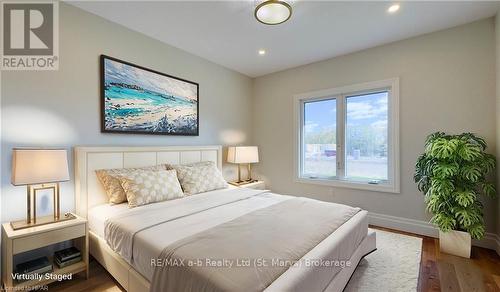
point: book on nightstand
(36, 266)
(67, 262)
(67, 256)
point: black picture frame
(119, 131)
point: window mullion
(340, 139)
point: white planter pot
(455, 242)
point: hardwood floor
(438, 272)
(99, 280)
(443, 272)
(480, 273)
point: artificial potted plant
(453, 174)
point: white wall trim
(490, 240)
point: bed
(348, 243)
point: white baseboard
(490, 240)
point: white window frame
(392, 86)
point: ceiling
(226, 33)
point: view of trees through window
(366, 137)
(320, 132)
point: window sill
(385, 188)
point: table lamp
(242, 155)
(39, 169)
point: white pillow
(147, 186)
(112, 185)
(199, 177)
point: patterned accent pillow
(148, 186)
(112, 185)
(199, 177)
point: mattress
(148, 245)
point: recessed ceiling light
(262, 52)
(393, 8)
(273, 12)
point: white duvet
(120, 237)
(187, 216)
(219, 206)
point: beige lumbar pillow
(199, 177)
(148, 186)
(112, 185)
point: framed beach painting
(140, 100)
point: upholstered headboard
(89, 191)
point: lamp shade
(243, 154)
(37, 166)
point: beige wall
(447, 82)
(62, 108)
(497, 38)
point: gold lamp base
(31, 219)
(241, 183)
(22, 224)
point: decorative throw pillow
(199, 177)
(148, 186)
(112, 185)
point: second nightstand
(258, 185)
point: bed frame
(89, 193)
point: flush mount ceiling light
(273, 12)
(262, 52)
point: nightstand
(258, 185)
(24, 240)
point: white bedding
(98, 215)
(148, 244)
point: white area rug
(394, 266)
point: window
(320, 135)
(348, 136)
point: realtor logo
(30, 35)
